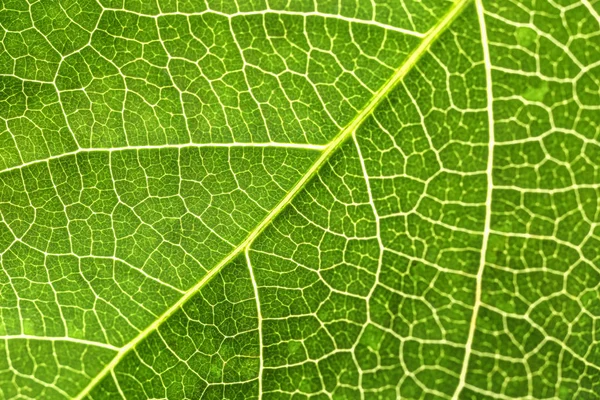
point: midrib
(326, 153)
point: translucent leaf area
(299, 199)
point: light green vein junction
(326, 153)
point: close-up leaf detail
(299, 199)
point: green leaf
(299, 199)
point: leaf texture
(299, 199)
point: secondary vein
(488, 204)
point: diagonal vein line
(326, 153)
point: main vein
(326, 153)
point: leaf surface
(285, 200)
